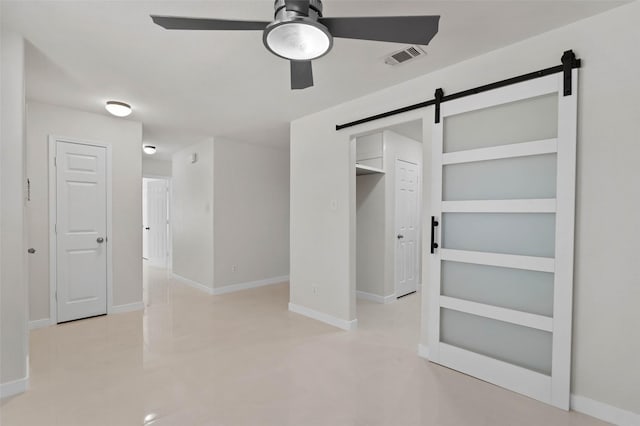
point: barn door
(503, 210)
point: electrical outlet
(234, 268)
(315, 289)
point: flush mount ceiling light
(149, 149)
(119, 109)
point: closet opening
(388, 204)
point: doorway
(388, 169)
(80, 225)
(155, 221)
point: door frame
(424, 115)
(53, 201)
(418, 220)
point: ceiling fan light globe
(298, 40)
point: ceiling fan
(300, 33)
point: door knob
(400, 236)
(31, 251)
(147, 228)
(100, 240)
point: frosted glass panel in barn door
(503, 200)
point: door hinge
(55, 161)
(55, 228)
(56, 295)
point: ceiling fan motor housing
(287, 9)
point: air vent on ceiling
(404, 55)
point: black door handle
(434, 223)
(147, 228)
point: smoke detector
(404, 55)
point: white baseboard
(41, 323)
(230, 288)
(129, 307)
(603, 411)
(162, 265)
(248, 285)
(423, 351)
(192, 283)
(320, 316)
(13, 388)
(116, 309)
(375, 297)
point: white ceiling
(187, 85)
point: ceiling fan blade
(181, 23)
(398, 29)
(301, 74)
(301, 6)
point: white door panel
(503, 199)
(145, 226)
(81, 225)
(156, 221)
(407, 227)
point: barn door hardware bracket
(569, 62)
(438, 98)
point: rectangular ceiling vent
(404, 55)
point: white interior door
(503, 194)
(407, 228)
(156, 221)
(81, 228)
(145, 227)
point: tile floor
(243, 359)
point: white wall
(154, 168)
(370, 233)
(14, 349)
(192, 210)
(230, 213)
(251, 220)
(606, 314)
(322, 237)
(125, 137)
